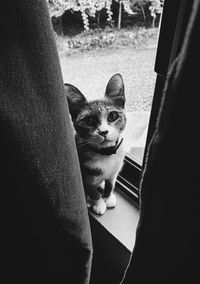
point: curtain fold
(45, 231)
(168, 234)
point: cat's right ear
(115, 90)
(75, 98)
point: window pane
(89, 58)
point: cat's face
(99, 122)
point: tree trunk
(98, 18)
(120, 15)
(153, 22)
(143, 13)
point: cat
(99, 125)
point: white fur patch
(98, 206)
(111, 201)
(109, 165)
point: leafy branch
(92, 8)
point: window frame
(111, 256)
(170, 40)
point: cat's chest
(108, 165)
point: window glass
(102, 38)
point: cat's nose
(103, 133)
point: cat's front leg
(98, 206)
(109, 196)
(95, 201)
(111, 201)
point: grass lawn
(90, 72)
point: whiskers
(84, 146)
(81, 143)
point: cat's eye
(113, 115)
(89, 121)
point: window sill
(114, 235)
(121, 222)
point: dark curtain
(44, 226)
(168, 235)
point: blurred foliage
(107, 39)
(92, 9)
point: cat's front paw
(99, 206)
(111, 201)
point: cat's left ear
(75, 98)
(115, 90)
